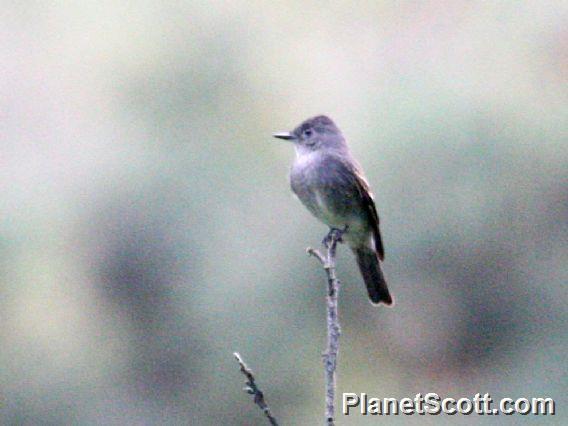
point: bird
(330, 183)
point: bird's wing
(369, 203)
(353, 172)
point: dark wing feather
(369, 203)
(352, 172)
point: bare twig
(253, 389)
(333, 329)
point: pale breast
(304, 183)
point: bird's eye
(307, 133)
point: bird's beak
(284, 135)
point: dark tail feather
(370, 268)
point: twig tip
(315, 253)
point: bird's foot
(334, 234)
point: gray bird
(330, 183)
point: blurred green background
(147, 229)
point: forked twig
(252, 389)
(333, 329)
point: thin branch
(253, 389)
(313, 252)
(333, 329)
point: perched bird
(330, 183)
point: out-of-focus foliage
(147, 230)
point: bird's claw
(334, 234)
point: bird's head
(315, 134)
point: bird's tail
(370, 268)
